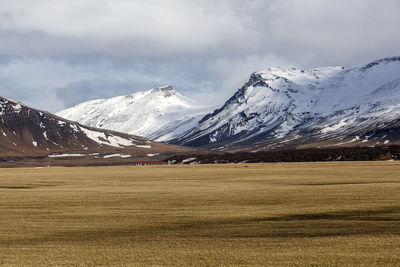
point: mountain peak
(160, 113)
(327, 101)
(167, 90)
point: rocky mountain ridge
(292, 108)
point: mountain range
(278, 108)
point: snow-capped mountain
(331, 106)
(39, 135)
(159, 114)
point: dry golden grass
(285, 214)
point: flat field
(280, 214)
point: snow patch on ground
(357, 138)
(75, 128)
(188, 160)
(111, 140)
(142, 146)
(117, 155)
(337, 126)
(65, 155)
(17, 108)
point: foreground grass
(266, 214)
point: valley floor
(281, 214)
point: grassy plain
(281, 214)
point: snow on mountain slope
(305, 106)
(359, 85)
(159, 114)
(272, 101)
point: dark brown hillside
(30, 135)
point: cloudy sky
(57, 53)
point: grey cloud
(72, 51)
